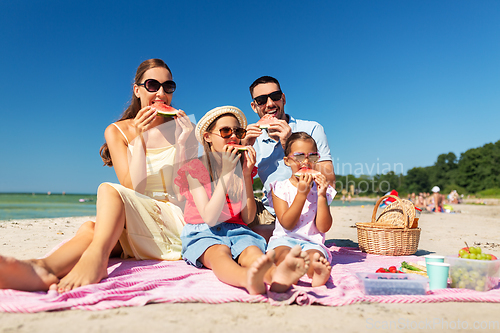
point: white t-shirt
(269, 161)
(306, 227)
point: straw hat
(211, 115)
(436, 189)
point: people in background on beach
(135, 218)
(420, 201)
(435, 203)
(269, 101)
(220, 204)
(302, 206)
(453, 197)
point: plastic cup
(433, 258)
(438, 275)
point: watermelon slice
(304, 171)
(266, 121)
(240, 147)
(165, 110)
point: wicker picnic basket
(390, 234)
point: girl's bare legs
(110, 221)
(248, 273)
(320, 268)
(291, 265)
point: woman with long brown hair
(136, 218)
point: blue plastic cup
(433, 258)
(438, 275)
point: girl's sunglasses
(262, 99)
(153, 85)
(227, 132)
(301, 157)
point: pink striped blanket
(134, 283)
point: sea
(339, 203)
(17, 206)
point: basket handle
(405, 214)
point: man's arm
(325, 165)
(326, 168)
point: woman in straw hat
(220, 204)
(134, 218)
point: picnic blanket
(135, 283)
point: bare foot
(290, 270)
(322, 269)
(24, 275)
(91, 268)
(256, 272)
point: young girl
(220, 204)
(135, 218)
(302, 208)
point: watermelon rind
(272, 120)
(160, 110)
(242, 148)
(167, 113)
(299, 173)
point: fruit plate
(480, 275)
(393, 283)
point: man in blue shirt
(268, 99)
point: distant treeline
(476, 170)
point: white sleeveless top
(160, 167)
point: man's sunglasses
(152, 86)
(301, 157)
(227, 132)
(262, 99)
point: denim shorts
(305, 245)
(197, 238)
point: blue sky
(395, 83)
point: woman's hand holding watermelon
(183, 127)
(143, 119)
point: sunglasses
(153, 85)
(301, 157)
(262, 99)
(227, 132)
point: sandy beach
(441, 234)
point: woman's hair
(135, 103)
(296, 137)
(234, 189)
